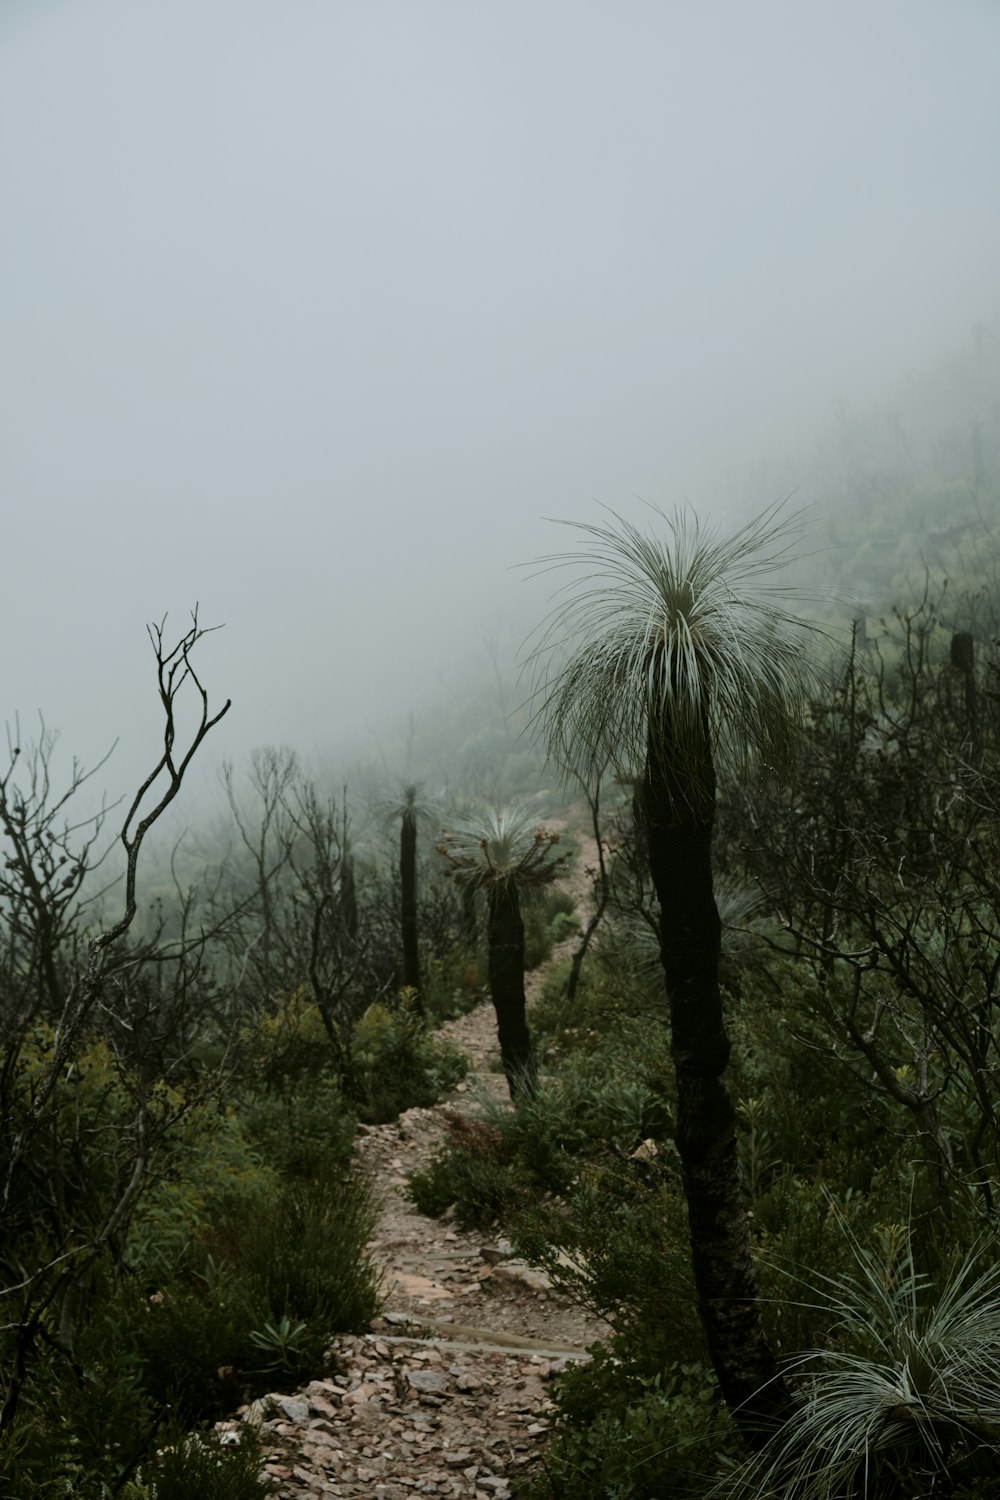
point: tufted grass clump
(905, 1399)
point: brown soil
(446, 1395)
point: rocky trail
(447, 1393)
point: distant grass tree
(673, 642)
(506, 853)
(408, 889)
(409, 809)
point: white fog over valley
(311, 312)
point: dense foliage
(183, 1224)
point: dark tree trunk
(470, 921)
(505, 935)
(678, 819)
(348, 895)
(603, 893)
(963, 661)
(408, 898)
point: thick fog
(312, 309)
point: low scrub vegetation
(183, 1223)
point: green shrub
(217, 1165)
(549, 1015)
(192, 1339)
(86, 1422)
(389, 1061)
(669, 1438)
(396, 1063)
(84, 1147)
(618, 1244)
(546, 911)
(493, 1167)
(563, 925)
(452, 985)
(200, 1466)
(285, 1045)
(617, 1002)
(47, 1455)
(799, 1225)
(482, 1188)
(295, 1259)
(813, 1109)
(306, 1257)
(302, 1131)
(28, 1468)
(79, 1429)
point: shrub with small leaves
(602, 1103)
(296, 1259)
(617, 1244)
(549, 916)
(203, 1466)
(397, 1063)
(669, 1438)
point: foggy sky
(311, 309)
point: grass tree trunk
(678, 825)
(505, 935)
(470, 921)
(348, 894)
(408, 903)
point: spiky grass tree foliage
(906, 1401)
(505, 853)
(666, 645)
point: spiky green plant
(506, 852)
(666, 643)
(672, 634)
(736, 903)
(506, 845)
(906, 1401)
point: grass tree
(408, 888)
(409, 809)
(667, 647)
(505, 854)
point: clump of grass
(906, 1398)
(665, 1439)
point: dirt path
(446, 1395)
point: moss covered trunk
(505, 935)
